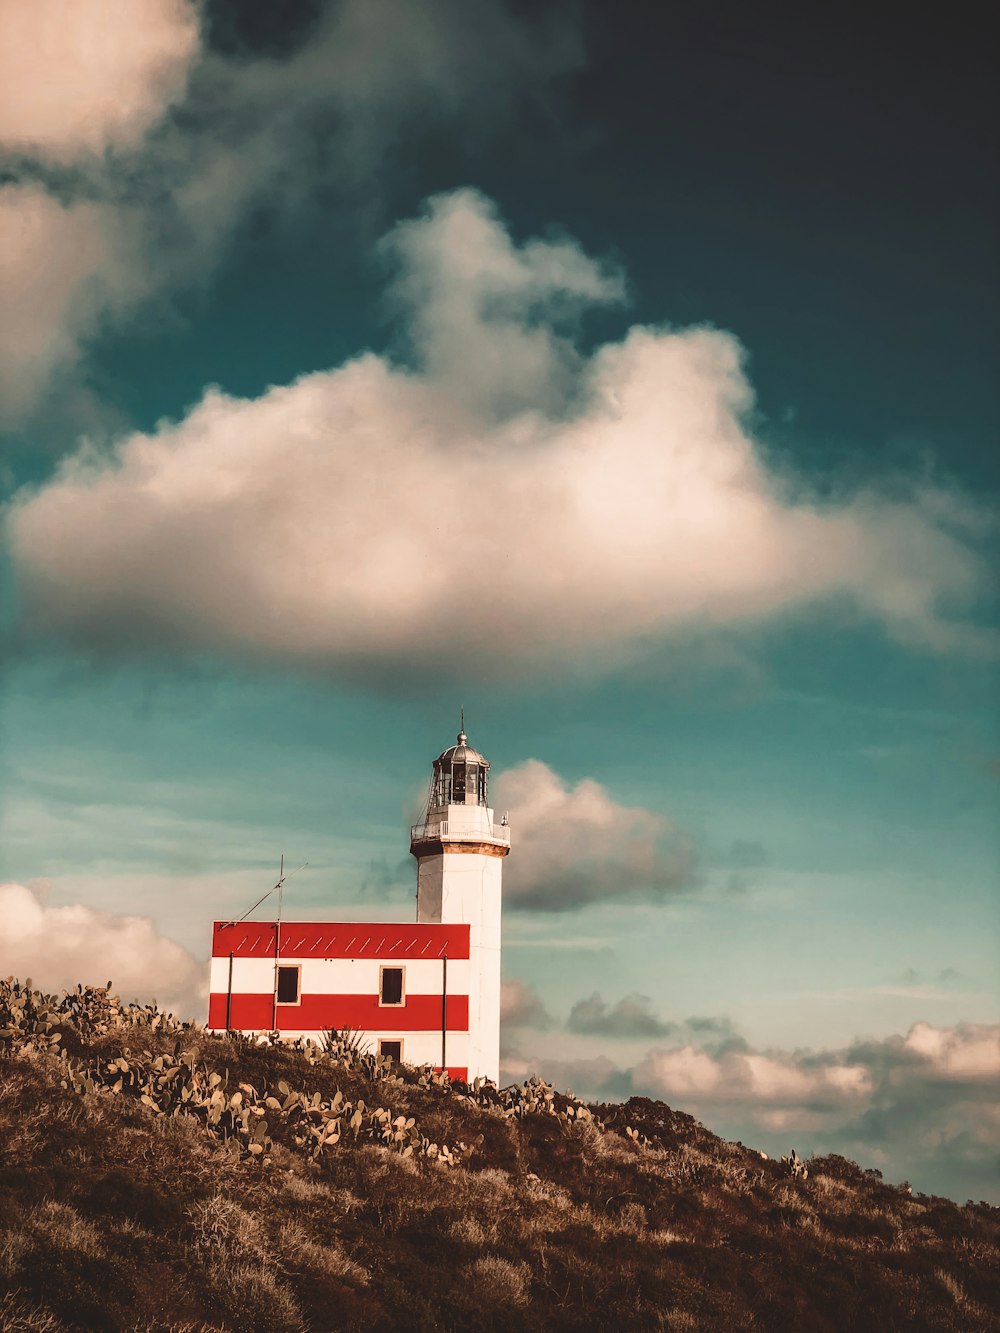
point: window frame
(289, 967)
(391, 1041)
(392, 1004)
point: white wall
(340, 976)
(466, 886)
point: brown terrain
(156, 1177)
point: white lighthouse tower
(459, 849)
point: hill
(156, 1177)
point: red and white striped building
(426, 993)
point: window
(392, 1049)
(390, 985)
(288, 985)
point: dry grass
(20, 1316)
(497, 1284)
(115, 1217)
(255, 1298)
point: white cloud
(522, 1006)
(573, 846)
(922, 1107)
(80, 76)
(120, 108)
(364, 518)
(577, 845)
(580, 1076)
(632, 1018)
(77, 78)
(46, 251)
(969, 1052)
(752, 1078)
(62, 267)
(485, 315)
(57, 947)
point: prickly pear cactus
(795, 1166)
(181, 1084)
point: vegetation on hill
(156, 1177)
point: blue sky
(627, 380)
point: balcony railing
(432, 832)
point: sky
(624, 375)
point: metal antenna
(277, 944)
(279, 887)
(462, 726)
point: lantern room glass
(459, 782)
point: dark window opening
(288, 985)
(458, 785)
(391, 986)
(392, 1049)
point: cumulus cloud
(80, 76)
(127, 109)
(484, 315)
(922, 1107)
(60, 946)
(62, 267)
(577, 845)
(258, 528)
(596, 1077)
(77, 78)
(776, 1081)
(633, 1017)
(318, 115)
(521, 1006)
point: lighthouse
(460, 847)
(426, 993)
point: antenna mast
(280, 886)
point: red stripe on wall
(359, 1013)
(337, 939)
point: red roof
(331, 939)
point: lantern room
(459, 776)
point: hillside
(155, 1177)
